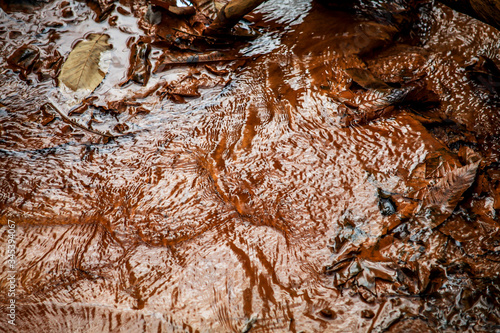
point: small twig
(77, 124)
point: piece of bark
(140, 66)
(230, 14)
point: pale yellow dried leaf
(81, 69)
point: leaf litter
(413, 256)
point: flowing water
(227, 212)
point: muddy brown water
(253, 207)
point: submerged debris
(239, 196)
(140, 66)
(386, 205)
(442, 198)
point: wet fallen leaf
(102, 8)
(123, 11)
(180, 27)
(372, 104)
(366, 79)
(78, 109)
(82, 69)
(24, 57)
(439, 163)
(47, 117)
(371, 270)
(361, 265)
(441, 199)
(399, 63)
(176, 98)
(460, 230)
(374, 100)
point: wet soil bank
(338, 173)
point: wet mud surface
(338, 173)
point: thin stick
(77, 124)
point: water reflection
(224, 213)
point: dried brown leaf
(81, 69)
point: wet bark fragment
(140, 66)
